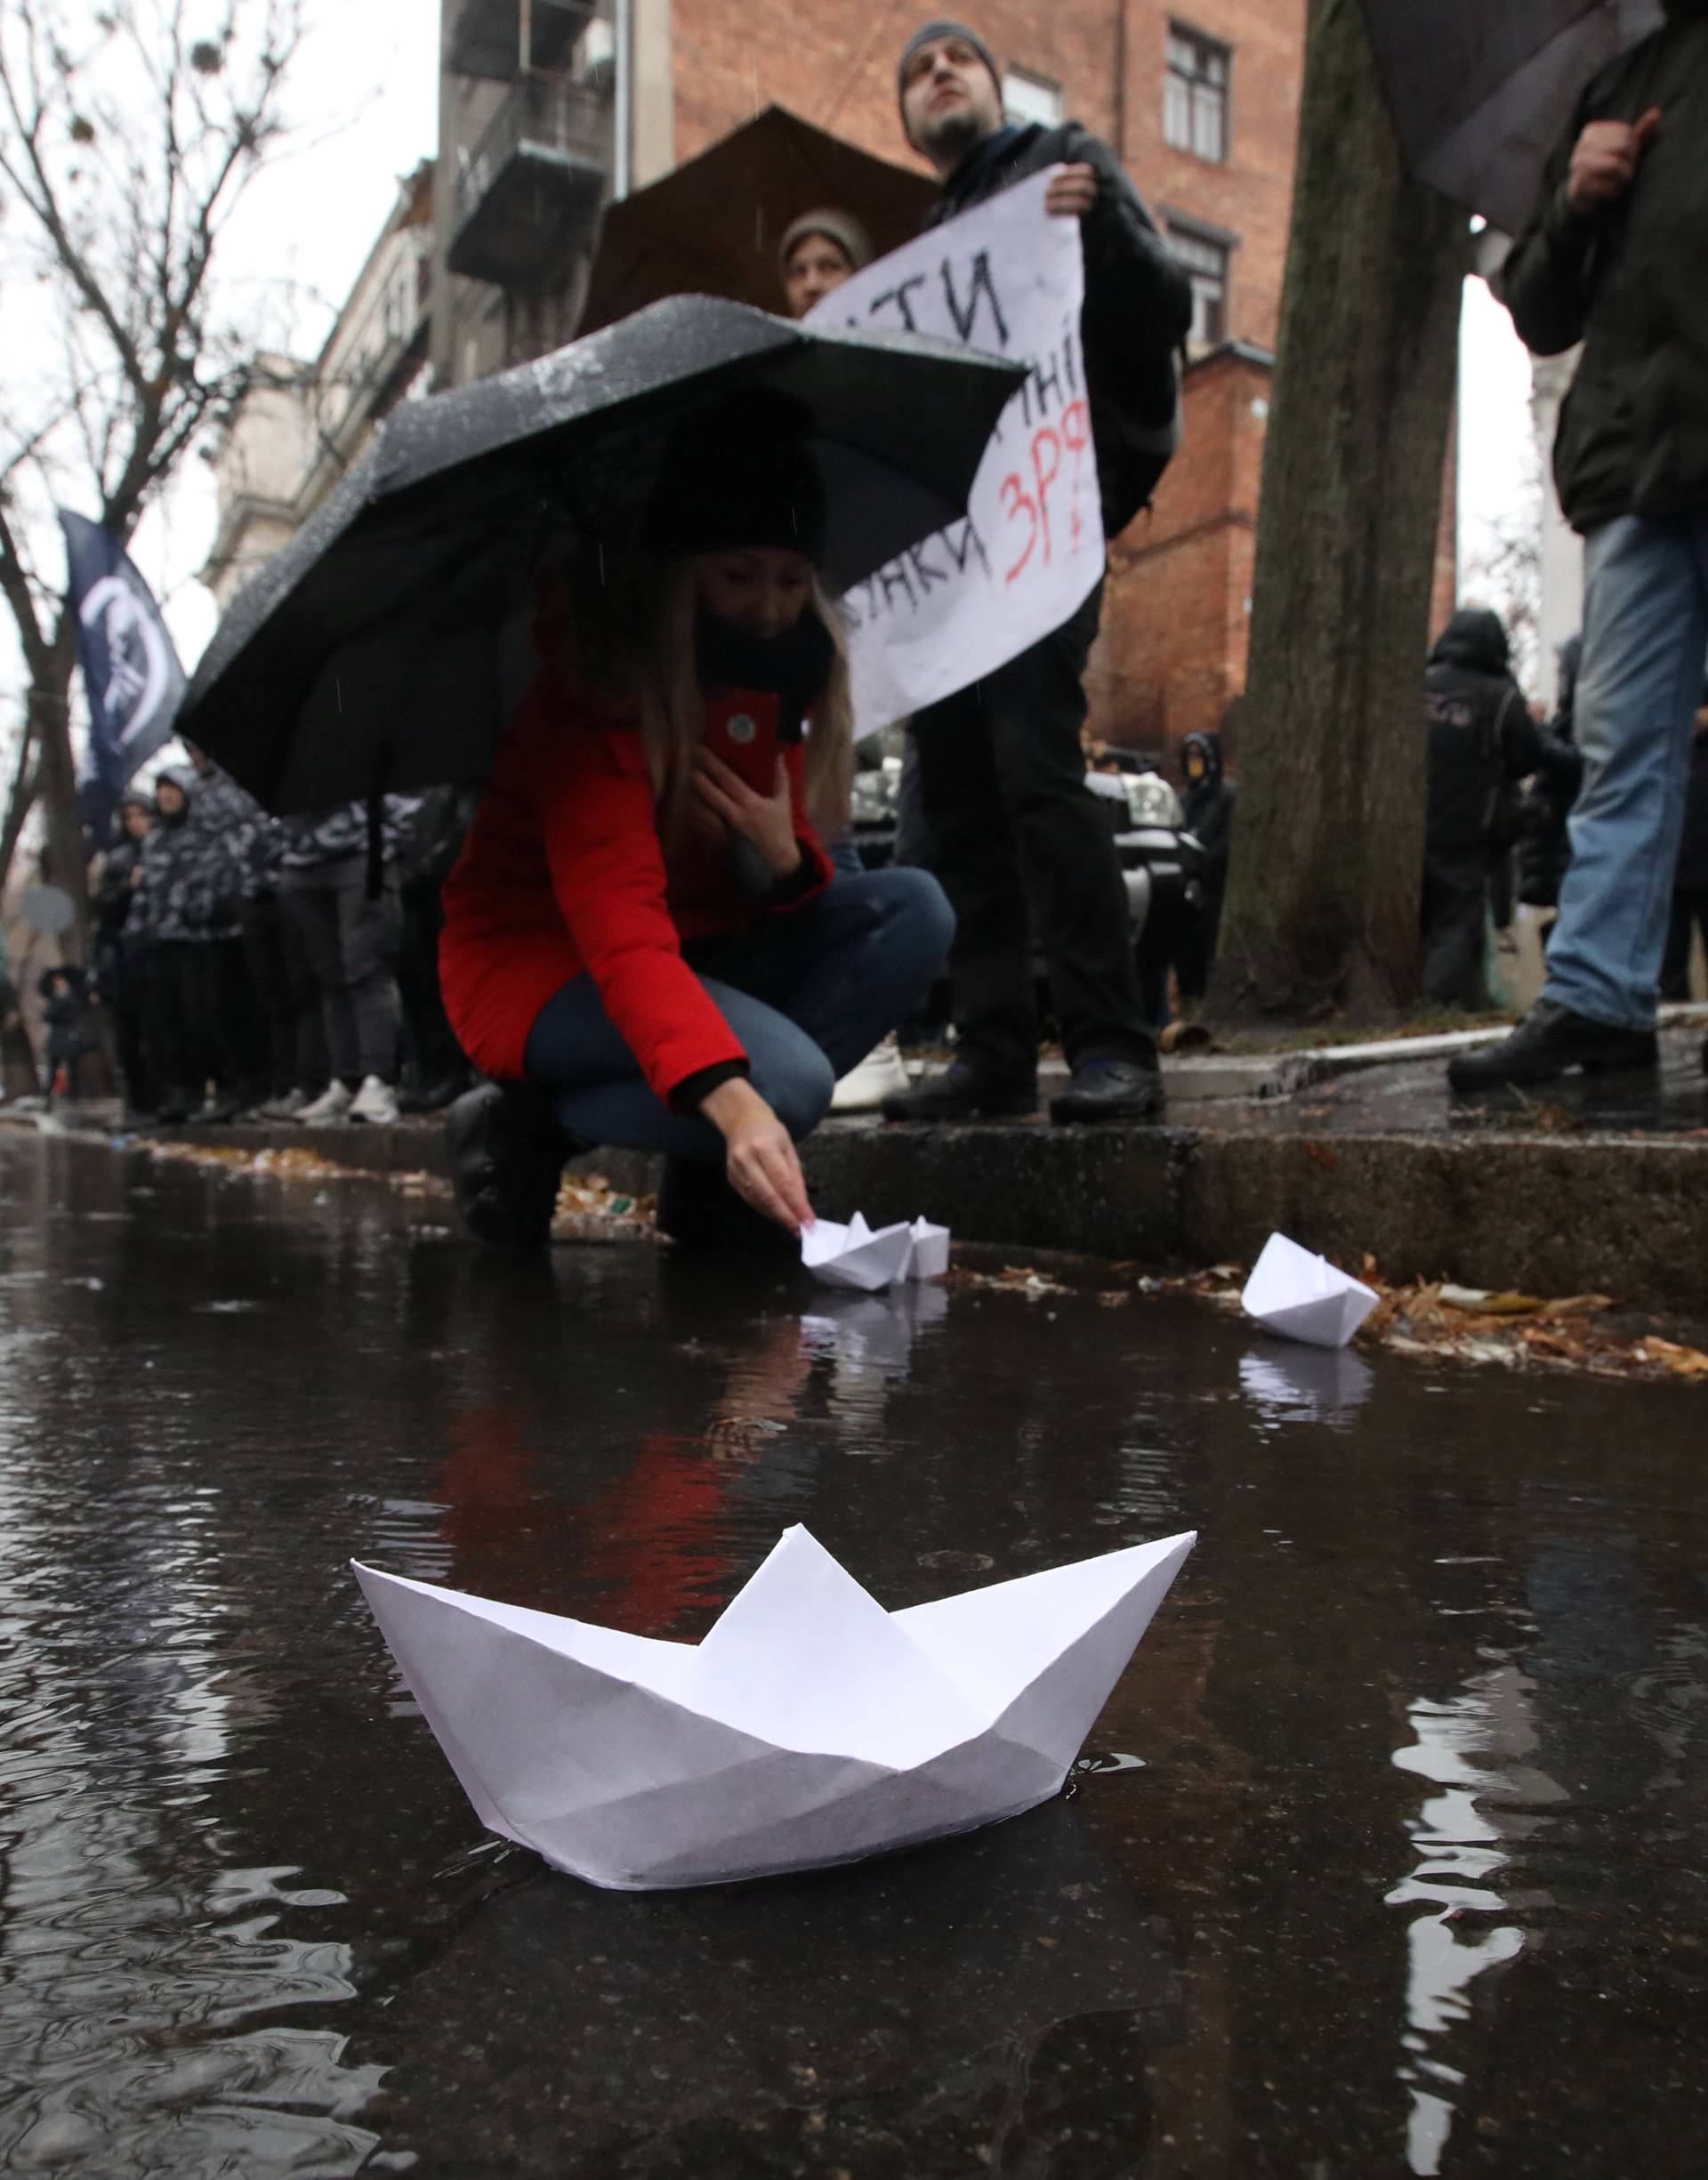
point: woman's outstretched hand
(767, 820)
(759, 1154)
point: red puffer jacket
(564, 871)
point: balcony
(489, 37)
(528, 196)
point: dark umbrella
(1482, 89)
(367, 655)
(714, 226)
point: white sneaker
(864, 1088)
(377, 1101)
(333, 1104)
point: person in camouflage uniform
(182, 912)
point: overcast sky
(365, 95)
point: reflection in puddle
(1304, 1384)
(1471, 1746)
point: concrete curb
(1550, 1215)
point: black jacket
(1209, 805)
(1628, 283)
(1138, 304)
(1481, 733)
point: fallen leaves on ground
(1490, 1329)
(287, 1165)
(1011, 1279)
(589, 1209)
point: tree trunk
(1321, 911)
(65, 860)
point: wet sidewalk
(1593, 1182)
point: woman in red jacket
(641, 948)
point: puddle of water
(1386, 1857)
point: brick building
(549, 106)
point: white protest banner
(1008, 277)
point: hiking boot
(1103, 1089)
(507, 1158)
(964, 1093)
(1549, 1042)
(375, 1101)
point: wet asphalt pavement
(1409, 1877)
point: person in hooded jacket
(1015, 837)
(1690, 877)
(1208, 811)
(1613, 258)
(178, 910)
(1481, 737)
(1544, 839)
(121, 955)
(643, 946)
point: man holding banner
(1077, 457)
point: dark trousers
(1456, 910)
(1018, 844)
(132, 1037)
(184, 988)
(352, 942)
(290, 1036)
(435, 1056)
(1689, 916)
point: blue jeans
(1645, 637)
(808, 992)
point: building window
(1026, 98)
(1195, 99)
(1206, 259)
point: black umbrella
(1481, 89)
(714, 225)
(367, 655)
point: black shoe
(1109, 1089)
(219, 1111)
(434, 1097)
(1549, 1042)
(507, 1158)
(698, 1209)
(964, 1092)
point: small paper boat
(1303, 1297)
(810, 1727)
(855, 1255)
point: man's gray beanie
(944, 29)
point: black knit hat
(946, 29)
(740, 474)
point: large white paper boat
(1303, 1297)
(810, 1727)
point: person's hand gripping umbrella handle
(1605, 161)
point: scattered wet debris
(1488, 1327)
(589, 1209)
(1011, 1279)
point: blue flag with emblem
(130, 674)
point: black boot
(1549, 1042)
(964, 1092)
(1106, 1088)
(507, 1158)
(698, 1209)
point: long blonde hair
(631, 637)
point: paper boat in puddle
(855, 1255)
(1303, 1297)
(810, 1727)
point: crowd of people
(657, 932)
(248, 964)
